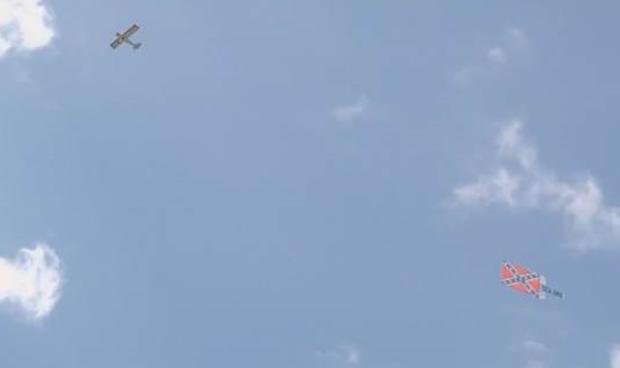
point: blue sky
(311, 184)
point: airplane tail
(137, 45)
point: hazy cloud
(341, 356)
(518, 36)
(614, 354)
(520, 180)
(24, 25)
(467, 74)
(31, 281)
(534, 354)
(351, 112)
(512, 43)
(497, 55)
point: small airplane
(124, 38)
(523, 280)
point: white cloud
(614, 354)
(500, 187)
(32, 281)
(497, 55)
(341, 356)
(24, 25)
(351, 112)
(521, 181)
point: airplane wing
(133, 29)
(117, 42)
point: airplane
(523, 280)
(124, 37)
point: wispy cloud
(31, 281)
(512, 43)
(534, 353)
(346, 355)
(497, 55)
(466, 74)
(351, 112)
(24, 25)
(518, 37)
(614, 355)
(520, 180)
